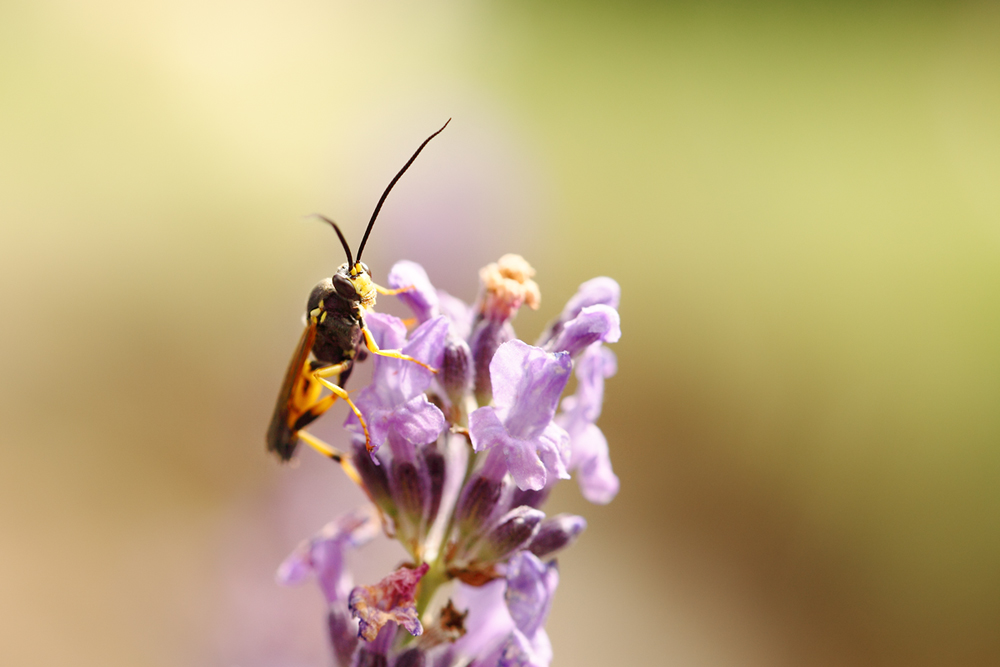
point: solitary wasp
(335, 329)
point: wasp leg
(333, 453)
(394, 354)
(392, 292)
(320, 376)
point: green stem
(429, 584)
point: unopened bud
(373, 476)
(414, 657)
(436, 464)
(478, 502)
(556, 533)
(343, 634)
(513, 530)
(409, 490)
(487, 337)
(456, 369)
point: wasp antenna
(343, 241)
(385, 194)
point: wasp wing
(281, 437)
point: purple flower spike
(475, 517)
(527, 382)
(395, 399)
(591, 325)
(391, 599)
(323, 554)
(423, 298)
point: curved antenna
(385, 194)
(343, 241)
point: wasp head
(355, 284)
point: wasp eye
(344, 287)
(364, 267)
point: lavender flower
(527, 383)
(460, 465)
(395, 400)
(323, 554)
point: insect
(330, 345)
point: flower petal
(391, 599)
(601, 290)
(388, 331)
(459, 314)
(520, 651)
(426, 344)
(593, 324)
(527, 383)
(488, 622)
(524, 465)
(486, 430)
(553, 449)
(423, 298)
(323, 554)
(597, 480)
(597, 291)
(530, 587)
(418, 421)
(595, 365)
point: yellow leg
(340, 392)
(308, 389)
(394, 354)
(330, 371)
(392, 292)
(333, 453)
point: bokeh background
(801, 202)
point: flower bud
(513, 530)
(456, 369)
(530, 497)
(487, 337)
(343, 633)
(478, 502)
(436, 472)
(556, 533)
(374, 478)
(411, 658)
(409, 490)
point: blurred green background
(800, 201)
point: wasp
(335, 338)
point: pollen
(507, 285)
